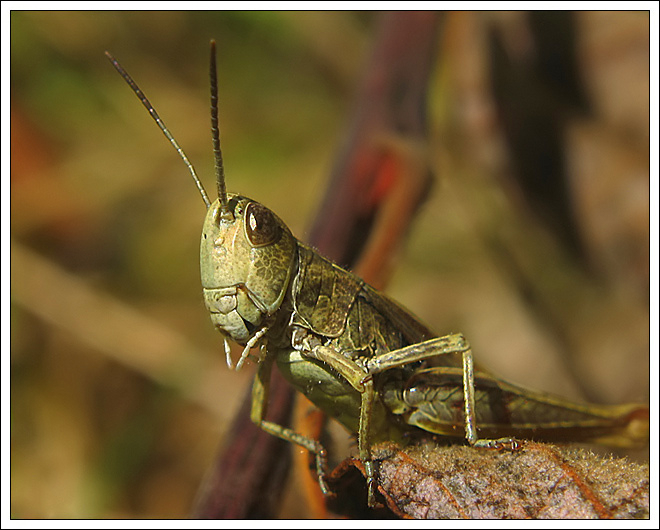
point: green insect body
(330, 333)
(355, 353)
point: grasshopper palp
(354, 352)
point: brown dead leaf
(540, 481)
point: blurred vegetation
(119, 392)
(99, 193)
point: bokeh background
(119, 393)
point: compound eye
(261, 226)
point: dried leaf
(428, 481)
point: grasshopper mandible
(355, 353)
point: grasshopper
(355, 353)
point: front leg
(258, 413)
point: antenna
(161, 124)
(215, 134)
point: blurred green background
(119, 392)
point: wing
(433, 401)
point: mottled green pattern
(323, 294)
(228, 258)
(344, 313)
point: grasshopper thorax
(246, 261)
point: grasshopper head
(246, 256)
(247, 252)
